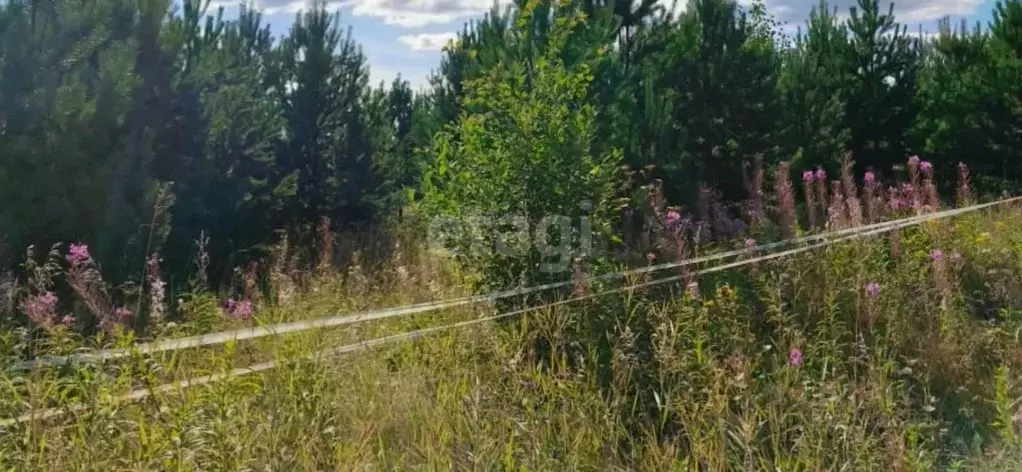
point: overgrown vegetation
(886, 353)
(211, 177)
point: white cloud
(427, 41)
(271, 7)
(403, 13)
(905, 11)
(418, 79)
(418, 13)
(674, 7)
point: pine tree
(812, 80)
(882, 63)
(729, 99)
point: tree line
(137, 127)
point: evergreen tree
(812, 81)
(882, 62)
(729, 99)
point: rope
(140, 394)
(340, 320)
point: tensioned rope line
(140, 394)
(340, 320)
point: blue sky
(405, 36)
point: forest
(719, 242)
(141, 129)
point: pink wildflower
(750, 243)
(673, 218)
(913, 160)
(873, 289)
(869, 178)
(795, 357)
(651, 258)
(820, 174)
(68, 319)
(926, 167)
(236, 309)
(243, 309)
(78, 253)
(936, 254)
(808, 177)
(40, 308)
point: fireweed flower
(673, 219)
(236, 309)
(936, 255)
(68, 319)
(926, 166)
(78, 253)
(651, 258)
(122, 312)
(243, 309)
(873, 289)
(808, 177)
(40, 308)
(820, 174)
(795, 357)
(869, 178)
(913, 160)
(750, 243)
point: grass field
(888, 353)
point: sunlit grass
(920, 374)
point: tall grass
(886, 353)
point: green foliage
(522, 149)
(103, 104)
(812, 87)
(917, 375)
(882, 64)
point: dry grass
(922, 377)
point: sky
(405, 37)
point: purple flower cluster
(40, 308)
(78, 254)
(795, 357)
(240, 310)
(903, 198)
(873, 289)
(675, 222)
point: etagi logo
(514, 236)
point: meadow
(896, 351)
